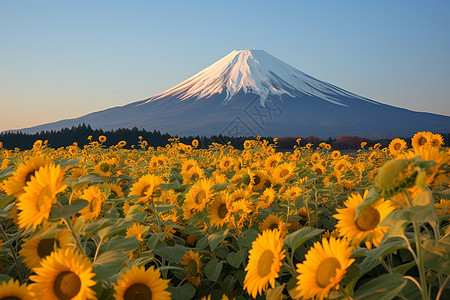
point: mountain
(251, 92)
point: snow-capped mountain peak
(254, 71)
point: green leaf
(119, 226)
(274, 294)
(221, 187)
(5, 173)
(248, 238)
(75, 183)
(236, 258)
(387, 248)
(292, 288)
(68, 210)
(385, 287)
(97, 225)
(184, 292)
(213, 269)
(5, 201)
(402, 269)
(371, 198)
(163, 208)
(68, 162)
(108, 264)
(426, 213)
(124, 244)
(153, 240)
(171, 254)
(4, 278)
(436, 255)
(162, 268)
(297, 238)
(216, 238)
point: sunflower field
(179, 222)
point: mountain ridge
(250, 92)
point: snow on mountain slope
(257, 72)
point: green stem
(13, 253)
(420, 266)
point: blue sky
(64, 59)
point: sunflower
(421, 138)
(136, 230)
(219, 211)
(341, 165)
(247, 144)
(40, 194)
(283, 172)
(192, 266)
(257, 180)
(267, 198)
(64, 274)
(273, 222)
(104, 168)
(436, 140)
(335, 154)
(95, 197)
(397, 146)
(324, 267)
(319, 169)
(436, 175)
(443, 208)
(395, 175)
(14, 291)
(41, 246)
(199, 195)
(264, 262)
(140, 284)
(102, 139)
(194, 173)
(315, 158)
(226, 163)
(272, 161)
(19, 179)
(147, 187)
(366, 228)
(115, 191)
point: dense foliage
(180, 222)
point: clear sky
(63, 59)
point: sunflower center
(46, 247)
(257, 179)
(67, 285)
(318, 171)
(10, 298)
(222, 211)
(284, 173)
(138, 291)
(194, 176)
(31, 173)
(326, 271)
(273, 226)
(104, 167)
(422, 141)
(265, 263)
(226, 164)
(368, 219)
(201, 196)
(273, 164)
(397, 146)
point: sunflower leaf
(297, 238)
(184, 292)
(68, 210)
(385, 287)
(213, 269)
(108, 264)
(436, 255)
(216, 238)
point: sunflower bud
(394, 176)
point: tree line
(80, 134)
